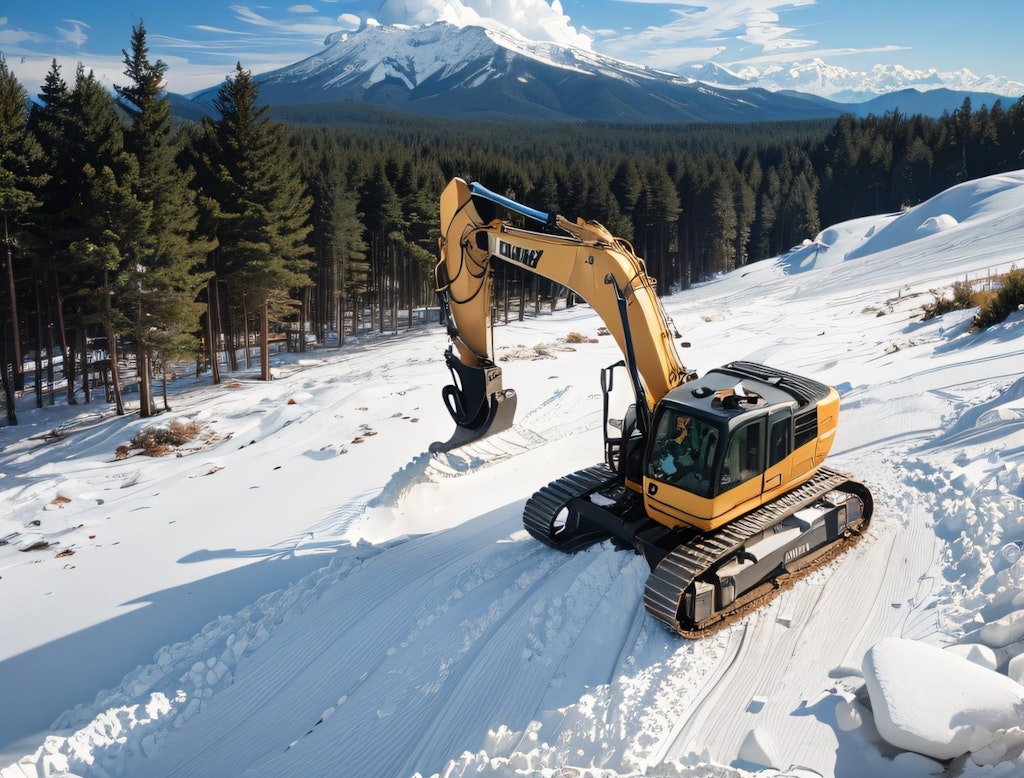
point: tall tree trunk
(142, 367)
(339, 291)
(264, 340)
(8, 383)
(142, 364)
(83, 344)
(39, 345)
(211, 328)
(245, 322)
(341, 319)
(393, 251)
(67, 349)
(115, 370)
(19, 367)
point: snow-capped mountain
(475, 72)
(840, 84)
(443, 70)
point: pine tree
(170, 255)
(655, 220)
(49, 120)
(20, 158)
(350, 253)
(382, 208)
(340, 250)
(258, 204)
(106, 222)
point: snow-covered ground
(306, 592)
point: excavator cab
(733, 440)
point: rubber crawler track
(678, 570)
(542, 508)
(671, 578)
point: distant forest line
(192, 240)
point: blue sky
(201, 40)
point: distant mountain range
(476, 73)
(850, 86)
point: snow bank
(941, 704)
(937, 224)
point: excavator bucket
(477, 403)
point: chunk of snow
(983, 656)
(1001, 632)
(937, 224)
(829, 236)
(1015, 669)
(933, 702)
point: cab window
(683, 453)
(779, 442)
(744, 458)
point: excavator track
(592, 505)
(541, 516)
(673, 579)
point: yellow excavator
(718, 480)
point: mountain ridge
(445, 71)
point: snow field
(311, 593)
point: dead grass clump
(579, 337)
(1001, 303)
(160, 441)
(959, 297)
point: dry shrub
(579, 337)
(984, 300)
(160, 441)
(1004, 295)
(960, 297)
(1009, 298)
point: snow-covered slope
(308, 592)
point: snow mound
(832, 246)
(940, 704)
(829, 237)
(937, 224)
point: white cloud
(698, 32)
(75, 34)
(533, 19)
(12, 38)
(349, 22)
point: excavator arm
(582, 256)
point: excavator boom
(582, 256)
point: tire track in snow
(241, 677)
(434, 664)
